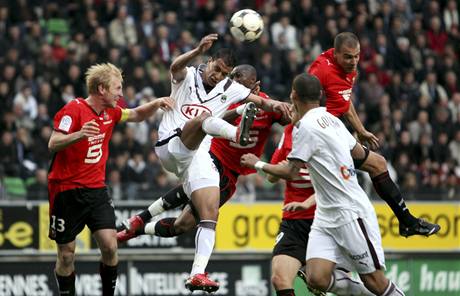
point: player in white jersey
(345, 231)
(202, 95)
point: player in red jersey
(336, 69)
(298, 212)
(225, 154)
(76, 181)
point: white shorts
(201, 173)
(356, 246)
(194, 168)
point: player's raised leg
(376, 166)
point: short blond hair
(101, 74)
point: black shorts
(292, 239)
(75, 208)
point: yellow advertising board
(255, 226)
(447, 215)
(83, 240)
(248, 226)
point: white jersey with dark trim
(324, 143)
(191, 99)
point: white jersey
(192, 100)
(324, 143)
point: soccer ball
(246, 25)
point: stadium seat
(14, 188)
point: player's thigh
(361, 244)
(68, 213)
(192, 132)
(102, 215)
(206, 202)
(292, 239)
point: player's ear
(100, 89)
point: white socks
(342, 284)
(156, 207)
(149, 228)
(204, 244)
(217, 127)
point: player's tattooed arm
(59, 141)
(284, 170)
(178, 70)
(146, 110)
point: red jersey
(83, 163)
(336, 83)
(229, 153)
(298, 189)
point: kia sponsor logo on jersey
(193, 110)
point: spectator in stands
(46, 52)
(38, 190)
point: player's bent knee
(318, 280)
(182, 226)
(375, 281)
(375, 164)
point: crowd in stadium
(407, 92)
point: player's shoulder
(324, 60)
(74, 105)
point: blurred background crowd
(407, 92)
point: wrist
(239, 110)
(259, 166)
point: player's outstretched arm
(146, 110)
(59, 141)
(286, 171)
(363, 134)
(271, 105)
(177, 68)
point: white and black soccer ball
(246, 25)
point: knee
(66, 257)
(109, 251)
(182, 226)
(376, 282)
(210, 213)
(280, 281)
(318, 281)
(377, 164)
